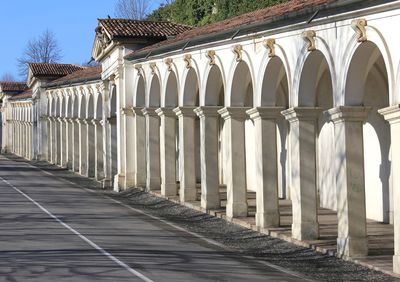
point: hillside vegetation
(201, 12)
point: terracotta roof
(10, 86)
(86, 74)
(53, 70)
(254, 17)
(135, 28)
(24, 95)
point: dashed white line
(84, 238)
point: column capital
(265, 113)
(234, 112)
(345, 113)
(301, 113)
(185, 111)
(168, 112)
(391, 114)
(149, 111)
(96, 121)
(207, 111)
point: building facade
(297, 102)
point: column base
(236, 210)
(210, 202)
(352, 247)
(305, 231)
(187, 194)
(169, 189)
(396, 264)
(119, 182)
(267, 220)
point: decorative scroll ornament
(188, 61)
(270, 45)
(138, 67)
(168, 62)
(309, 38)
(211, 57)
(359, 27)
(153, 68)
(237, 50)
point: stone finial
(168, 62)
(359, 27)
(309, 38)
(237, 50)
(211, 57)
(188, 61)
(270, 45)
(153, 68)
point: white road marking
(84, 238)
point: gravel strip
(310, 264)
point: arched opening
(82, 136)
(367, 85)
(90, 137)
(99, 146)
(275, 93)
(189, 136)
(239, 149)
(211, 135)
(63, 133)
(316, 91)
(140, 137)
(169, 138)
(153, 176)
(155, 92)
(69, 115)
(140, 93)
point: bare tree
(7, 77)
(132, 9)
(43, 49)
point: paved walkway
(380, 235)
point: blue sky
(72, 21)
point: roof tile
(10, 86)
(86, 74)
(46, 69)
(136, 28)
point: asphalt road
(51, 230)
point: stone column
(303, 129)
(139, 133)
(75, 144)
(99, 162)
(30, 133)
(187, 153)
(209, 151)
(235, 160)
(82, 146)
(392, 115)
(90, 148)
(266, 158)
(63, 139)
(350, 180)
(168, 151)
(58, 140)
(153, 181)
(129, 166)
